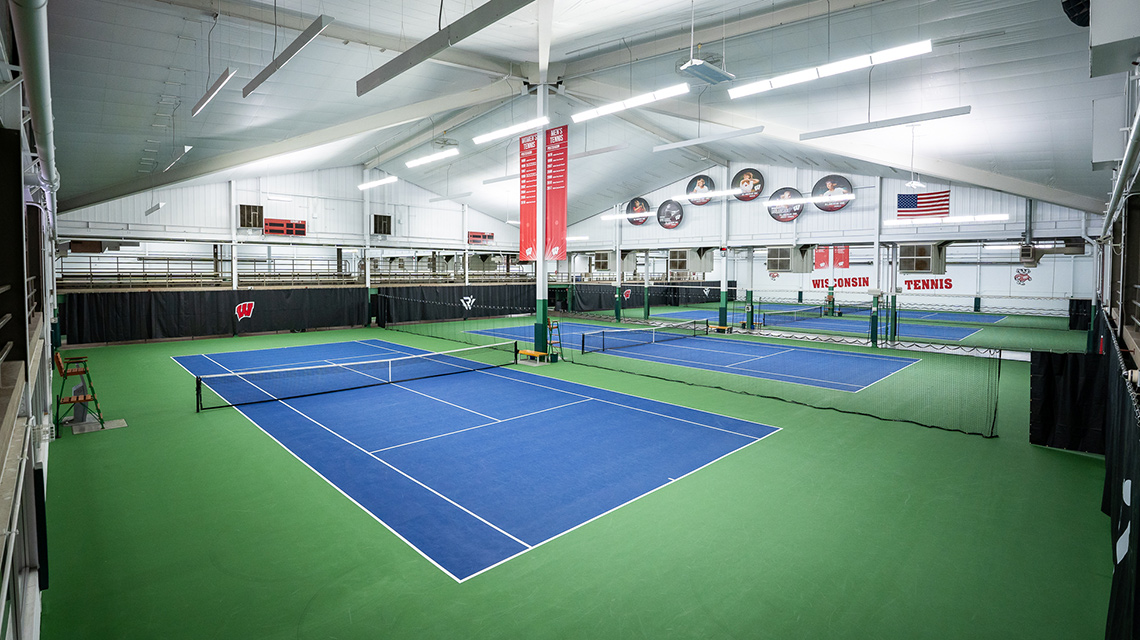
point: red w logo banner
(244, 310)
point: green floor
(187, 525)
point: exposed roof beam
(291, 19)
(545, 35)
(470, 24)
(681, 40)
(390, 118)
(428, 133)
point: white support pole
(233, 207)
(540, 279)
(466, 245)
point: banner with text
(842, 256)
(822, 257)
(557, 147)
(528, 197)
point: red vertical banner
(842, 254)
(528, 197)
(557, 147)
(822, 257)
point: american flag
(915, 205)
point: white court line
(708, 367)
(479, 426)
(839, 352)
(387, 464)
(483, 415)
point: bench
(537, 355)
(720, 329)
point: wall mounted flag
(842, 256)
(528, 197)
(822, 257)
(557, 148)
(923, 205)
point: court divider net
(609, 339)
(239, 388)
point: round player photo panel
(670, 214)
(749, 182)
(697, 186)
(785, 212)
(637, 205)
(837, 191)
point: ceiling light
(308, 35)
(576, 238)
(154, 208)
(833, 68)
(511, 130)
(706, 194)
(792, 202)
(447, 153)
(277, 198)
(450, 197)
(889, 122)
(635, 101)
(213, 91)
(376, 183)
(706, 71)
(915, 184)
(185, 149)
(710, 138)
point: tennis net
(250, 387)
(776, 318)
(608, 339)
(853, 308)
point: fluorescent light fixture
(626, 216)
(915, 184)
(705, 71)
(511, 130)
(706, 194)
(308, 35)
(576, 238)
(376, 183)
(514, 222)
(185, 150)
(450, 197)
(987, 217)
(213, 91)
(446, 153)
(706, 139)
(831, 69)
(513, 176)
(278, 198)
(635, 101)
(900, 53)
(1008, 246)
(889, 122)
(154, 208)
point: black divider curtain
(427, 303)
(1080, 314)
(1067, 400)
(1121, 479)
(598, 297)
(156, 315)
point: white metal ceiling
(126, 72)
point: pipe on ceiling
(1124, 176)
(29, 22)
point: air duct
(29, 22)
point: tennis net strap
(251, 387)
(609, 339)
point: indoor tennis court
(561, 320)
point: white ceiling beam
(681, 40)
(390, 118)
(487, 14)
(545, 36)
(428, 134)
(291, 19)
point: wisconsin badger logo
(244, 310)
(1022, 276)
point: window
(780, 259)
(678, 259)
(601, 261)
(250, 216)
(915, 258)
(381, 225)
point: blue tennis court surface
(846, 324)
(826, 368)
(475, 468)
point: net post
(749, 314)
(516, 352)
(977, 303)
(830, 308)
(198, 394)
(875, 321)
(893, 333)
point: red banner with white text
(822, 257)
(528, 197)
(842, 256)
(557, 147)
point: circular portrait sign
(834, 192)
(637, 205)
(750, 183)
(697, 186)
(670, 214)
(785, 212)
